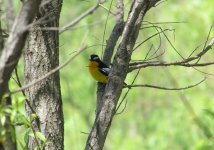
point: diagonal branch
(50, 72)
(80, 17)
(16, 41)
(110, 46)
(119, 70)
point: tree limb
(16, 41)
(49, 73)
(109, 49)
(83, 15)
(117, 75)
(184, 62)
(167, 88)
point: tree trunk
(41, 56)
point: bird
(98, 69)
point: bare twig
(205, 45)
(35, 137)
(104, 32)
(167, 88)
(80, 17)
(184, 62)
(37, 119)
(108, 10)
(126, 94)
(158, 33)
(166, 22)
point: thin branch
(82, 16)
(35, 137)
(167, 88)
(104, 32)
(108, 10)
(206, 42)
(166, 22)
(93, 24)
(160, 39)
(166, 64)
(50, 72)
(23, 93)
(37, 119)
(126, 94)
(158, 33)
(184, 62)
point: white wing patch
(105, 70)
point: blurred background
(153, 119)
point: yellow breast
(95, 73)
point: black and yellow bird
(99, 70)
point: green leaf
(25, 120)
(41, 136)
(8, 110)
(27, 133)
(24, 147)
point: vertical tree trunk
(41, 56)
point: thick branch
(117, 75)
(16, 41)
(110, 45)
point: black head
(94, 57)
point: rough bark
(115, 34)
(117, 74)
(109, 50)
(41, 56)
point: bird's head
(94, 57)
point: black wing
(104, 68)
